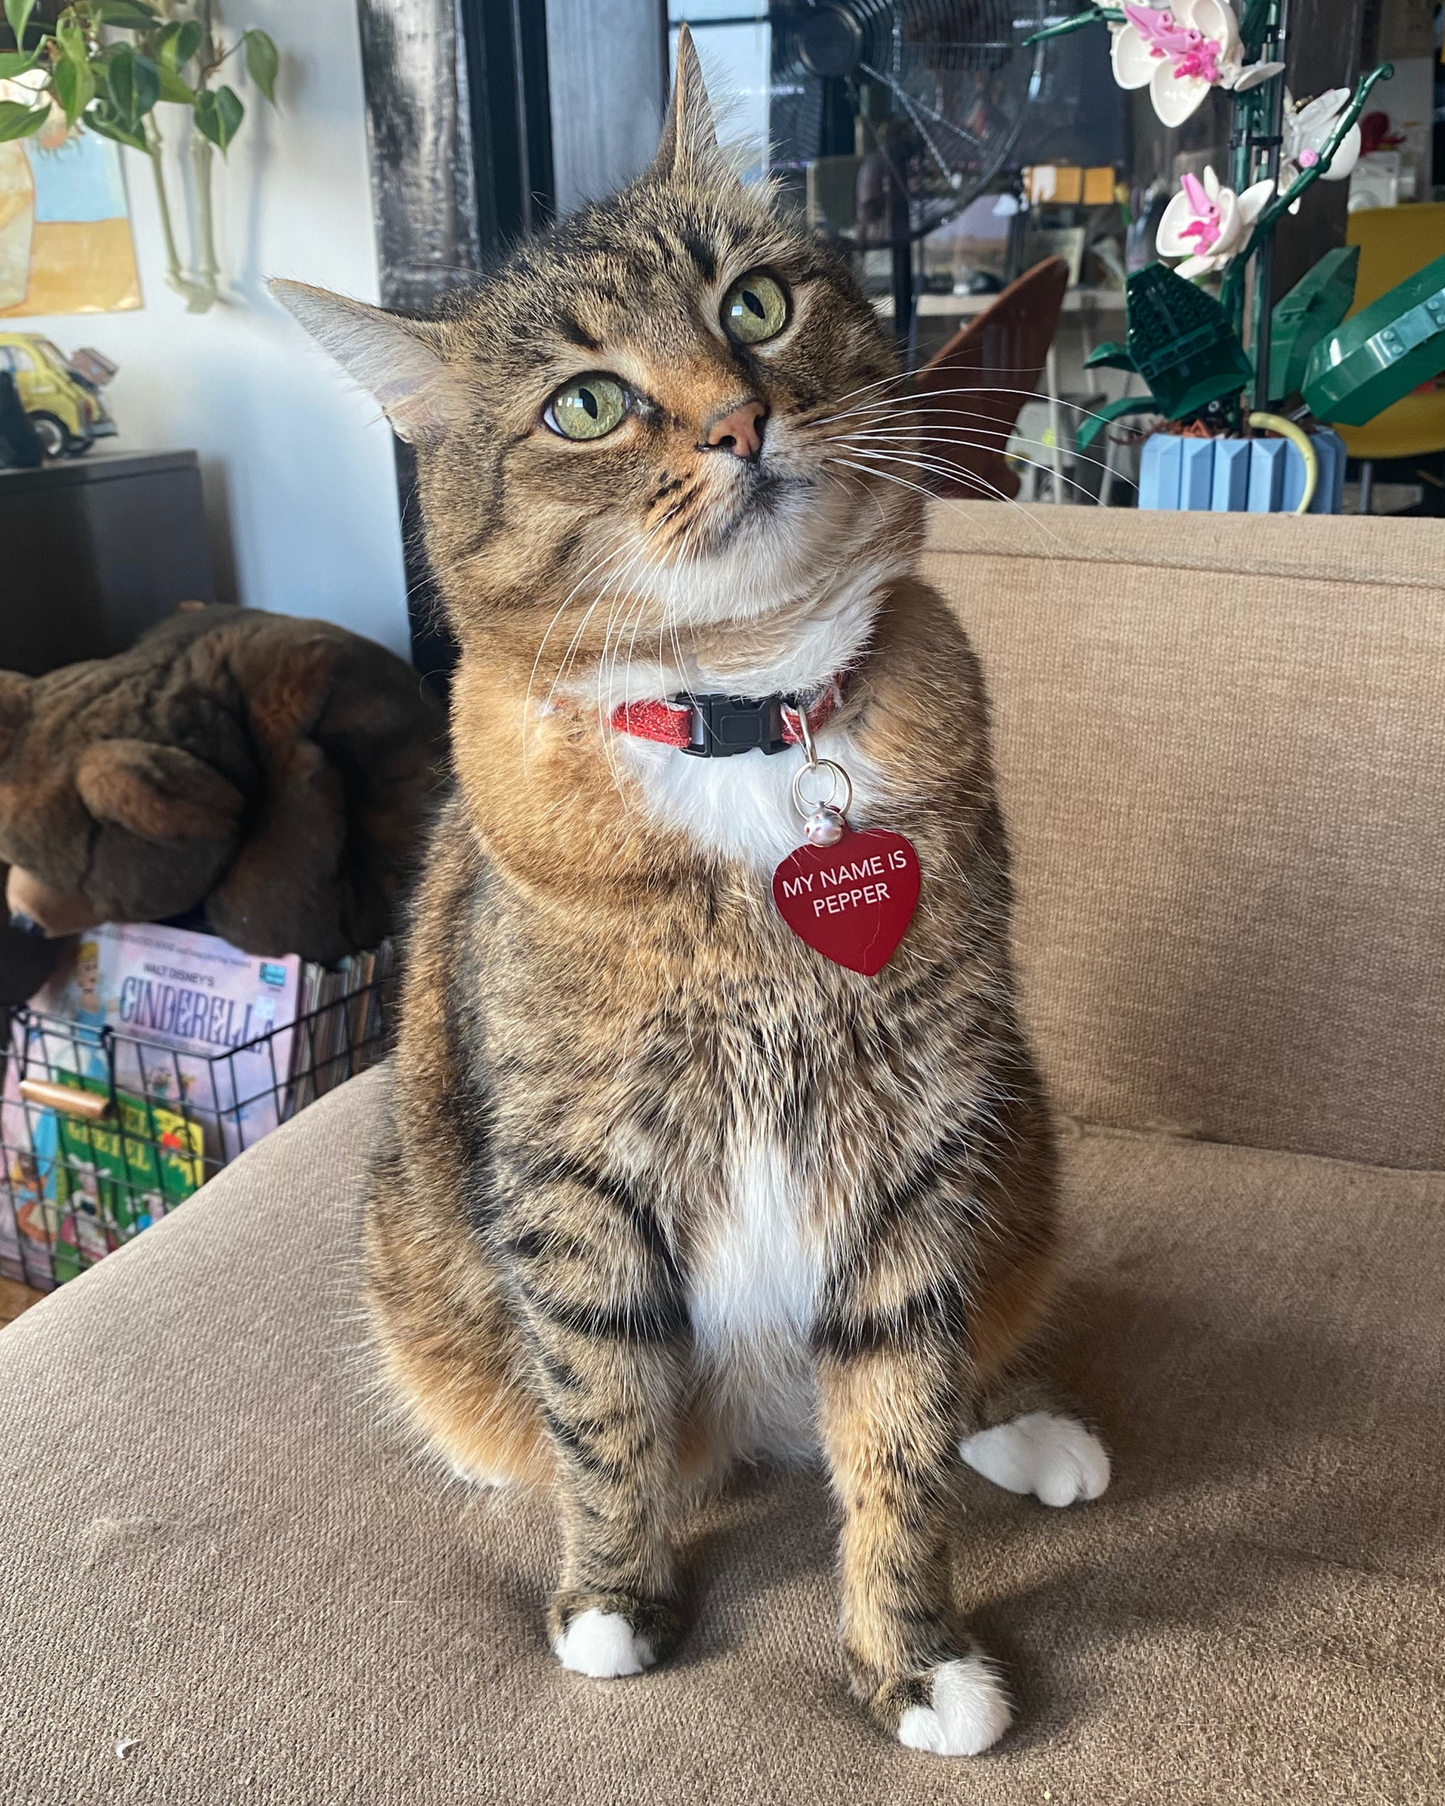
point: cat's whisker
(940, 466)
(952, 472)
(937, 457)
(987, 426)
(575, 641)
(596, 565)
(804, 419)
(928, 494)
(605, 680)
(932, 402)
(964, 439)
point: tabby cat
(665, 1187)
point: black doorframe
(460, 132)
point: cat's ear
(400, 361)
(688, 153)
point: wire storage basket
(102, 1132)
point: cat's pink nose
(739, 431)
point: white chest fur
(742, 808)
(753, 1287)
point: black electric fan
(890, 116)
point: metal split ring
(807, 806)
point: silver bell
(824, 828)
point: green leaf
(218, 115)
(17, 16)
(74, 84)
(134, 83)
(101, 118)
(1112, 356)
(1182, 343)
(70, 35)
(17, 121)
(1111, 410)
(1377, 356)
(14, 62)
(173, 88)
(1316, 304)
(179, 43)
(262, 62)
(128, 13)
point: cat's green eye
(755, 308)
(588, 408)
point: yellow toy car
(62, 397)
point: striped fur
(666, 1187)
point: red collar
(715, 725)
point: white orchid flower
(1208, 225)
(1180, 54)
(1306, 130)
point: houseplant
(104, 65)
(1211, 372)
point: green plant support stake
(1316, 304)
(1378, 356)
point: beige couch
(1222, 746)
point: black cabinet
(93, 551)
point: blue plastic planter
(1256, 476)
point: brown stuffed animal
(279, 773)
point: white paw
(604, 1645)
(969, 1713)
(1055, 1458)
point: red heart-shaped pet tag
(851, 902)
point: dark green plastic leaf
(14, 62)
(1377, 356)
(1182, 343)
(1111, 356)
(179, 43)
(218, 115)
(17, 121)
(128, 13)
(102, 119)
(262, 63)
(1314, 306)
(1112, 410)
(17, 17)
(74, 84)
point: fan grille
(941, 88)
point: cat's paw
(604, 1645)
(966, 1709)
(608, 1635)
(1053, 1457)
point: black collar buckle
(722, 725)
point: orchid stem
(1231, 293)
(1093, 15)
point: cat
(666, 1188)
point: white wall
(298, 467)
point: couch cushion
(218, 1544)
(1220, 740)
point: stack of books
(150, 1059)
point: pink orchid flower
(1207, 224)
(1179, 54)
